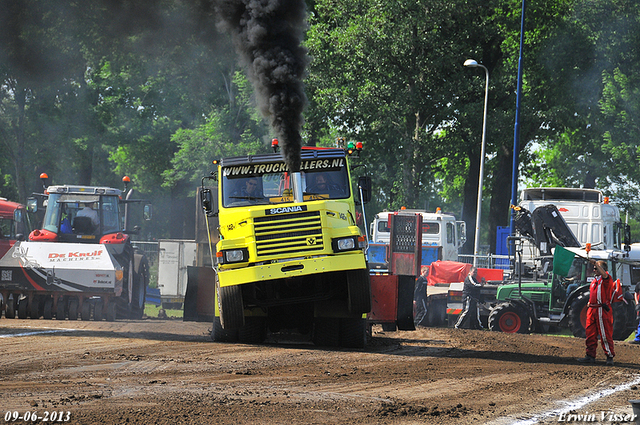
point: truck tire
(85, 310)
(112, 308)
(326, 332)
(353, 333)
(254, 330)
(359, 289)
(220, 335)
(509, 318)
(22, 308)
(34, 308)
(60, 309)
(578, 315)
(230, 306)
(47, 312)
(98, 310)
(73, 309)
(10, 312)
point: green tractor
(558, 301)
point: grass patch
(153, 310)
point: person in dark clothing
(471, 297)
(420, 297)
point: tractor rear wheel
(623, 314)
(578, 315)
(140, 283)
(509, 318)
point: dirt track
(168, 372)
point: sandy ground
(169, 372)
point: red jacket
(603, 290)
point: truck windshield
(240, 190)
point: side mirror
(208, 204)
(364, 186)
(627, 237)
(147, 212)
(32, 205)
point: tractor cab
(80, 214)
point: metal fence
(488, 261)
(150, 250)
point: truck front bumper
(292, 268)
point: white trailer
(174, 256)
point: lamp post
(476, 244)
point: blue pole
(516, 131)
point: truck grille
(289, 234)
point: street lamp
(476, 244)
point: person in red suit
(600, 315)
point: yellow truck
(290, 253)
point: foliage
(90, 91)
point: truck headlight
(344, 244)
(235, 255)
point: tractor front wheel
(509, 318)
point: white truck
(587, 213)
(442, 237)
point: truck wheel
(230, 306)
(47, 311)
(73, 309)
(353, 333)
(326, 332)
(112, 308)
(34, 308)
(578, 315)
(98, 311)
(254, 330)
(85, 310)
(60, 309)
(359, 289)
(22, 308)
(220, 335)
(509, 318)
(10, 312)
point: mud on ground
(169, 372)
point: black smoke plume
(267, 35)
